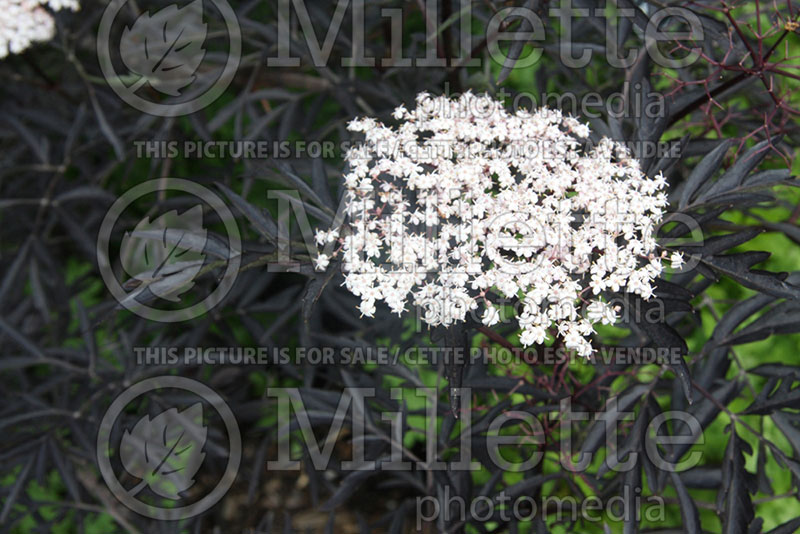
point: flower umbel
(463, 200)
(24, 22)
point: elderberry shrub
(591, 228)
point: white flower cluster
(23, 22)
(463, 199)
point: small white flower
(322, 261)
(601, 312)
(676, 260)
(491, 316)
(463, 197)
(367, 307)
(533, 336)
